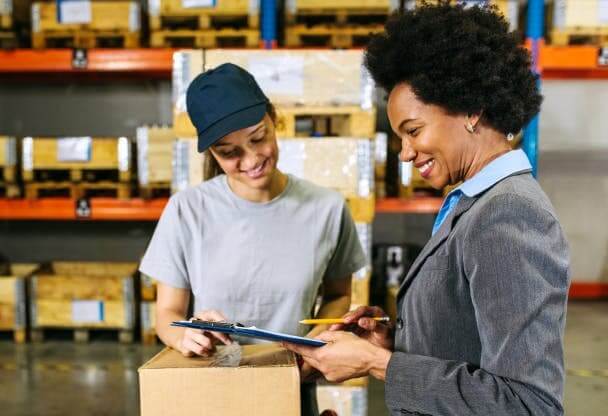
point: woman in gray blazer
(481, 312)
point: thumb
(329, 336)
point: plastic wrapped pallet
(94, 15)
(195, 7)
(13, 300)
(342, 164)
(148, 322)
(154, 155)
(187, 65)
(8, 159)
(580, 14)
(187, 164)
(6, 14)
(344, 400)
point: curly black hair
(461, 59)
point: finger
(368, 324)
(196, 348)
(217, 316)
(329, 336)
(221, 337)
(203, 341)
(313, 362)
(302, 350)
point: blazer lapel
(436, 240)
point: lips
(425, 168)
(258, 171)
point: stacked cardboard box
(154, 159)
(575, 21)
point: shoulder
(307, 191)
(195, 198)
(518, 196)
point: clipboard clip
(219, 324)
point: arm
(335, 302)
(516, 263)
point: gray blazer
(481, 313)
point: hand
(199, 342)
(359, 322)
(344, 357)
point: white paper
(279, 75)
(602, 12)
(75, 11)
(191, 4)
(87, 311)
(74, 149)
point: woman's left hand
(344, 357)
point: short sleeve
(348, 256)
(164, 259)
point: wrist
(379, 363)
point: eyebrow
(404, 122)
(260, 127)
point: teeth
(424, 168)
(257, 170)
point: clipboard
(248, 331)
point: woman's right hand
(199, 342)
(360, 322)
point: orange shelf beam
(588, 290)
(102, 209)
(415, 205)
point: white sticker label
(279, 75)
(74, 149)
(75, 11)
(191, 4)
(87, 311)
(602, 12)
(134, 17)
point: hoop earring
(510, 137)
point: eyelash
(413, 132)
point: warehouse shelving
(556, 62)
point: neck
(489, 148)
(277, 184)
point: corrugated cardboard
(264, 380)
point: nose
(407, 153)
(249, 160)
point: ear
(474, 118)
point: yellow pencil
(330, 321)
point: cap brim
(239, 120)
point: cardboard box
(154, 155)
(13, 299)
(260, 379)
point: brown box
(258, 379)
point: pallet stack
(13, 300)
(576, 22)
(8, 167)
(154, 160)
(83, 297)
(86, 24)
(343, 24)
(76, 167)
(7, 34)
(204, 23)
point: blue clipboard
(251, 332)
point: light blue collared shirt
(490, 175)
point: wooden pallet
(580, 35)
(8, 40)
(346, 121)
(19, 336)
(204, 20)
(330, 36)
(227, 37)
(9, 190)
(81, 335)
(85, 39)
(76, 190)
(155, 190)
(338, 15)
(13, 300)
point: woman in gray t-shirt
(250, 244)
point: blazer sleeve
(516, 261)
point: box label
(191, 4)
(279, 75)
(89, 311)
(74, 11)
(74, 149)
(602, 12)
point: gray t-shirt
(259, 263)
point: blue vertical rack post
(534, 35)
(269, 23)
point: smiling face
(249, 156)
(435, 141)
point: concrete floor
(60, 378)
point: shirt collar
(506, 165)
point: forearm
(431, 385)
(168, 334)
(331, 307)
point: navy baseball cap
(222, 100)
